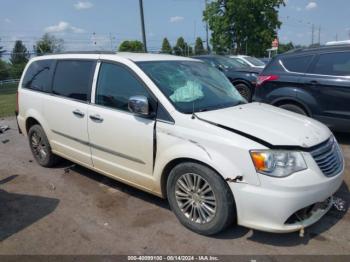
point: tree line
(181, 48)
(48, 44)
(20, 55)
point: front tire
(40, 147)
(294, 108)
(245, 91)
(200, 198)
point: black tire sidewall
(225, 212)
(248, 90)
(293, 108)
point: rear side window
(38, 76)
(73, 79)
(337, 64)
(116, 85)
(297, 63)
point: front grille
(328, 157)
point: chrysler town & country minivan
(177, 128)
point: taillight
(265, 78)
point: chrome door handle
(96, 118)
(78, 113)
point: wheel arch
(174, 162)
(31, 121)
(283, 101)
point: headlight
(277, 163)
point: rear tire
(245, 91)
(40, 147)
(201, 200)
(294, 108)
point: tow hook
(339, 204)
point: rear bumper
(19, 128)
(270, 206)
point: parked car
(265, 60)
(249, 60)
(176, 127)
(313, 82)
(241, 76)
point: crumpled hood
(273, 125)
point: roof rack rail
(81, 53)
(88, 52)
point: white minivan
(177, 128)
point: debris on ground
(52, 187)
(68, 168)
(339, 204)
(30, 161)
(3, 129)
(5, 141)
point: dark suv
(314, 82)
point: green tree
(4, 70)
(20, 54)
(48, 44)
(131, 46)
(243, 25)
(199, 48)
(166, 47)
(182, 48)
(282, 48)
(1, 50)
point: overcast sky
(103, 24)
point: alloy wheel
(195, 198)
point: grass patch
(8, 99)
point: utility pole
(319, 35)
(207, 28)
(312, 34)
(143, 26)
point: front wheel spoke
(186, 205)
(188, 179)
(192, 212)
(210, 211)
(202, 214)
(182, 185)
(195, 182)
(209, 200)
(179, 193)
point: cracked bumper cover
(268, 207)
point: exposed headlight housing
(278, 163)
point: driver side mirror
(139, 105)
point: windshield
(230, 63)
(254, 61)
(192, 86)
(241, 61)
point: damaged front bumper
(285, 205)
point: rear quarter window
(38, 76)
(297, 64)
(337, 64)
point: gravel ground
(71, 210)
